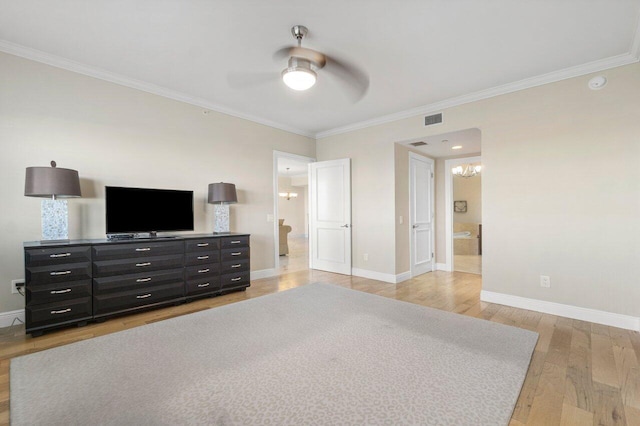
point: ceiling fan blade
(318, 59)
(242, 80)
(354, 81)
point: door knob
(346, 225)
(415, 226)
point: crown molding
(56, 61)
(591, 67)
(69, 65)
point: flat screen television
(141, 210)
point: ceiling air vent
(418, 143)
(433, 119)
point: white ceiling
(420, 55)
(289, 167)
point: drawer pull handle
(143, 296)
(66, 290)
(203, 271)
(62, 311)
(144, 249)
(54, 273)
(143, 280)
(237, 253)
(203, 257)
(236, 266)
(204, 285)
(236, 279)
(60, 255)
(143, 264)
(203, 244)
(236, 242)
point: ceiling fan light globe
(298, 78)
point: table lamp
(54, 183)
(221, 195)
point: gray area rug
(317, 354)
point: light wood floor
(471, 263)
(580, 374)
(298, 257)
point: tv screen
(131, 210)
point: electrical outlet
(366, 257)
(545, 281)
(401, 220)
(15, 284)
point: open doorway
(291, 206)
(467, 218)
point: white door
(422, 227)
(330, 211)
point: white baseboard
(441, 267)
(6, 318)
(381, 276)
(263, 273)
(575, 312)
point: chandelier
(466, 170)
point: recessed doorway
(291, 212)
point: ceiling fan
(303, 66)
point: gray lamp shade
(222, 193)
(51, 181)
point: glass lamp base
(55, 220)
(221, 222)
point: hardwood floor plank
(529, 387)
(547, 404)
(573, 416)
(632, 415)
(603, 361)
(608, 407)
(579, 386)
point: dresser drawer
(129, 250)
(205, 244)
(234, 254)
(144, 280)
(51, 293)
(235, 266)
(56, 256)
(114, 302)
(240, 279)
(232, 242)
(58, 312)
(65, 272)
(203, 285)
(212, 269)
(103, 268)
(199, 258)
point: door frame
(413, 155)
(276, 230)
(448, 204)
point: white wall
(560, 188)
(115, 135)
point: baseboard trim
(441, 267)
(6, 318)
(575, 312)
(263, 273)
(381, 276)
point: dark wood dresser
(79, 281)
